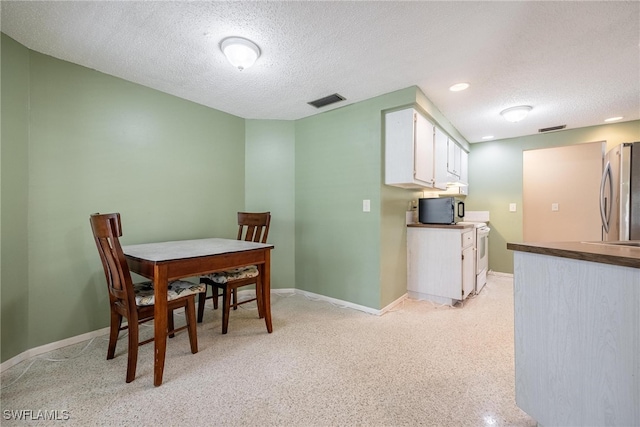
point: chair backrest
(253, 227)
(106, 232)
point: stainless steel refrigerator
(620, 193)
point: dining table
(163, 262)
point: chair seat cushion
(223, 277)
(177, 289)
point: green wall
(341, 251)
(14, 278)
(269, 186)
(337, 166)
(495, 177)
(173, 169)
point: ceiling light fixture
(614, 119)
(458, 87)
(488, 137)
(241, 53)
(515, 114)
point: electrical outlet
(512, 207)
(555, 207)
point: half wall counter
(577, 332)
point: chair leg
(116, 323)
(132, 359)
(190, 314)
(226, 306)
(215, 295)
(202, 296)
(235, 298)
(260, 297)
(170, 324)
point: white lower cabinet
(441, 263)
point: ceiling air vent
(552, 128)
(318, 103)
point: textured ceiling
(576, 63)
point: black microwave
(441, 210)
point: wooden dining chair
(136, 302)
(252, 227)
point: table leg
(266, 289)
(160, 286)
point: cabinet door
(454, 154)
(423, 150)
(464, 167)
(433, 260)
(440, 159)
(399, 148)
(468, 271)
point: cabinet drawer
(467, 238)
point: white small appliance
(479, 219)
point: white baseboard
(334, 301)
(394, 304)
(83, 337)
(50, 347)
(498, 274)
(284, 291)
(338, 302)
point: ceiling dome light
(241, 53)
(488, 137)
(614, 119)
(458, 87)
(515, 114)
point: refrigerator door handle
(605, 211)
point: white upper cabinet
(440, 164)
(423, 147)
(410, 151)
(454, 159)
(464, 167)
(457, 164)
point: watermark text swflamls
(36, 415)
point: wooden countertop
(451, 226)
(626, 256)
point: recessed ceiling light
(614, 119)
(458, 87)
(488, 137)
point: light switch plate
(512, 207)
(554, 207)
(366, 205)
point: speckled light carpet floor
(419, 365)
